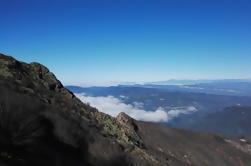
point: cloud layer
(113, 106)
(173, 113)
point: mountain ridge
(51, 115)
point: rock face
(42, 123)
(129, 128)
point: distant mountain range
(207, 99)
(192, 82)
(234, 87)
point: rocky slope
(42, 123)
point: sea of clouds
(113, 106)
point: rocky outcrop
(129, 128)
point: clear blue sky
(97, 41)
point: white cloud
(122, 96)
(138, 104)
(113, 106)
(175, 112)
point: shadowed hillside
(233, 121)
(42, 123)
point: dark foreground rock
(42, 123)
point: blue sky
(98, 41)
